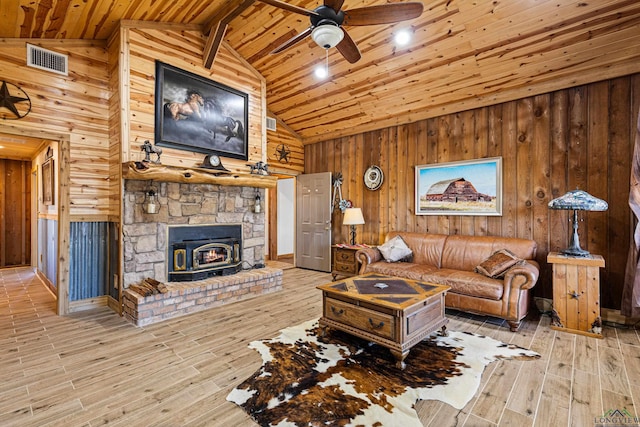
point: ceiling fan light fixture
(327, 36)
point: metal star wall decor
(283, 152)
(15, 100)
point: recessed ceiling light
(402, 37)
(1, 147)
(321, 72)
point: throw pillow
(497, 264)
(395, 250)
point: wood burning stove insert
(198, 252)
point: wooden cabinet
(576, 293)
(343, 261)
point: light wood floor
(94, 368)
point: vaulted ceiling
(464, 53)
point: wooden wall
(73, 107)
(284, 136)
(15, 213)
(580, 137)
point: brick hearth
(190, 297)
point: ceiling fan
(327, 21)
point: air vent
(44, 59)
(271, 123)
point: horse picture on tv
(197, 114)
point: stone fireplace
(147, 237)
(205, 243)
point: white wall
(286, 216)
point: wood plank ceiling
(464, 53)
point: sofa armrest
(522, 276)
(367, 256)
(518, 278)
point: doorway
(27, 145)
(15, 213)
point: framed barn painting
(197, 114)
(472, 187)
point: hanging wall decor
(470, 187)
(197, 114)
(373, 177)
(282, 153)
(337, 201)
(14, 102)
(48, 182)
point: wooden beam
(218, 26)
(196, 176)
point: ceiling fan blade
(334, 4)
(383, 14)
(290, 7)
(348, 48)
(293, 40)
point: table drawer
(361, 318)
(347, 256)
(345, 268)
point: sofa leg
(513, 325)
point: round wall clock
(373, 177)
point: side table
(343, 261)
(576, 293)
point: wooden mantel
(165, 173)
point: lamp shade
(579, 200)
(353, 216)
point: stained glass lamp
(577, 200)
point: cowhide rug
(341, 380)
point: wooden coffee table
(394, 312)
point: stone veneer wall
(145, 235)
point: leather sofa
(451, 260)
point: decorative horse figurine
(260, 168)
(184, 110)
(148, 149)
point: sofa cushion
(395, 250)
(461, 282)
(466, 252)
(404, 269)
(427, 248)
(467, 283)
(497, 264)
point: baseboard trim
(613, 316)
(47, 283)
(88, 304)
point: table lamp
(353, 217)
(577, 200)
